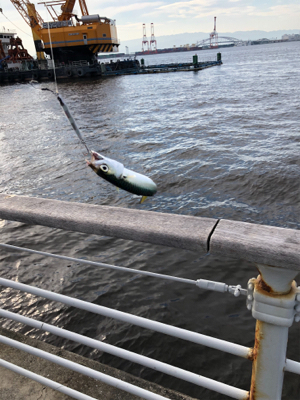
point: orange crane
(71, 40)
(34, 20)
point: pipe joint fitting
(274, 309)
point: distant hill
(190, 38)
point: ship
(13, 55)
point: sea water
(220, 143)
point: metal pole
(273, 308)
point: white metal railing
(128, 318)
(218, 344)
(180, 333)
(199, 380)
(273, 300)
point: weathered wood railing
(273, 297)
(278, 247)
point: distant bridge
(221, 41)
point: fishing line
(53, 61)
(61, 102)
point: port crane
(72, 38)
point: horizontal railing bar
(268, 245)
(45, 381)
(98, 264)
(292, 366)
(176, 372)
(127, 387)
(262, 244)
(179, 231)
(180, 333)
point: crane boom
(28, 12)
(83, 7)
(34, 20)
(67, 10)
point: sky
(173, 17)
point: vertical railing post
(273, 305)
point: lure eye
(104, 167)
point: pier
(272, 298)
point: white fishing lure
(126, 179)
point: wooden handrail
(268, 245)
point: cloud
(112, 11)
(198, 8)
(277, 11)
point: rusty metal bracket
(278, 310)
(267, 310)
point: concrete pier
(16, 387)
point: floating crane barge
(72, 44)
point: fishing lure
(111, 170)
(114, 172)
